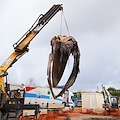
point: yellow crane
(20, 48)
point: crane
(20, 48)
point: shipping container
(92, 100)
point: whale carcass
(62, 47)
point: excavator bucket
(62, 47)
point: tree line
(114, 92)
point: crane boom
(106, 95)
(21, 46)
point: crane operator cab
(16, 96)
(114, 101)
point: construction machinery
(8, 101)
(110, 102)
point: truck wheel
(18, 114)
(1, 115)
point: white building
(92, 100)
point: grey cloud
(94, 24)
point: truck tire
(18, 114)
(1, 115)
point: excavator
(8, 103)
(110, 102)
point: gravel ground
(90, 117)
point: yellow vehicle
(20, 48)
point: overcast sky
(95, 24)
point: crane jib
(23, 43)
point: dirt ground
(91, 117)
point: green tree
(114, 92)
(78, 94)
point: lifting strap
(62, 14)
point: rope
(61, 23)
(62, 14)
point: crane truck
(8, 101)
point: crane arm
(21, 46)
(106, 95)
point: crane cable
(62, 14)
